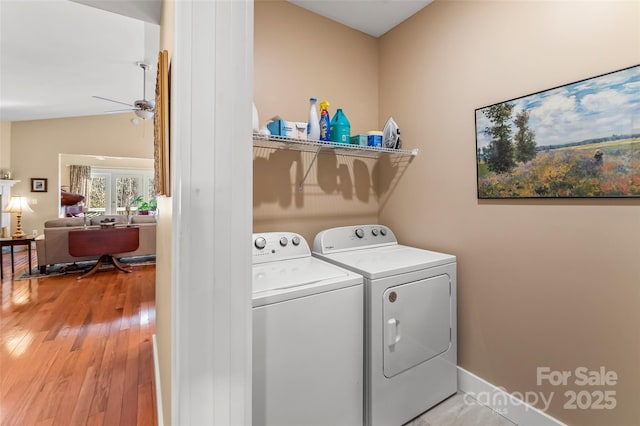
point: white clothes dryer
(410, 320)
(307, 336)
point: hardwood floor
(77, 352)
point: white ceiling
(373, 17)
(56, 54)
(144, 10)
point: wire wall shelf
(279, 142)
(317, 147)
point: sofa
(53, 246)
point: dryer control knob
(383, 232)
(295, 241)
(284, 241)
(359, 233)
(260, 243)
(374, 231)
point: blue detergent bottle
(340, 127)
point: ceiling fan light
(145, 115)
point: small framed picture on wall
(38, 185)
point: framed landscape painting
(580, 140)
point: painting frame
(161, 145)
(577, 140)
(39, 184)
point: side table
(104, 242)
(12, 242)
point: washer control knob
(359, 233)
(374, 231)
(260, 243)
(383, 232)
(295, 240)
(284, 241)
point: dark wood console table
(11, 242)
(104, 243)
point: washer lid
(290, 279)
(385, 261)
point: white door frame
(212, 212)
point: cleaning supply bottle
(340, 127)
(325, 122)
(256, 121)
(313, 126)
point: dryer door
(417, 323)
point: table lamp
(18, 205)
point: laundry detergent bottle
(340, 127)
(325, 122)
(313, 125)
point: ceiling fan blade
(120, 110)
(111, 100)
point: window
(97, 197)
(127, 190)
(113, 191)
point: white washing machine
(410, 320)
(307, 336)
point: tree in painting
(500, 152)
(524, 139)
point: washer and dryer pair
(311, 324)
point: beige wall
(541, 283)
(298, 55)
(164, 249)
(5, 145)
(36, 145)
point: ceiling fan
(143, 108)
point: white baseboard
(156, 369)
(505, 404)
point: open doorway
(115, 182)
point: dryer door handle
(393, 332)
